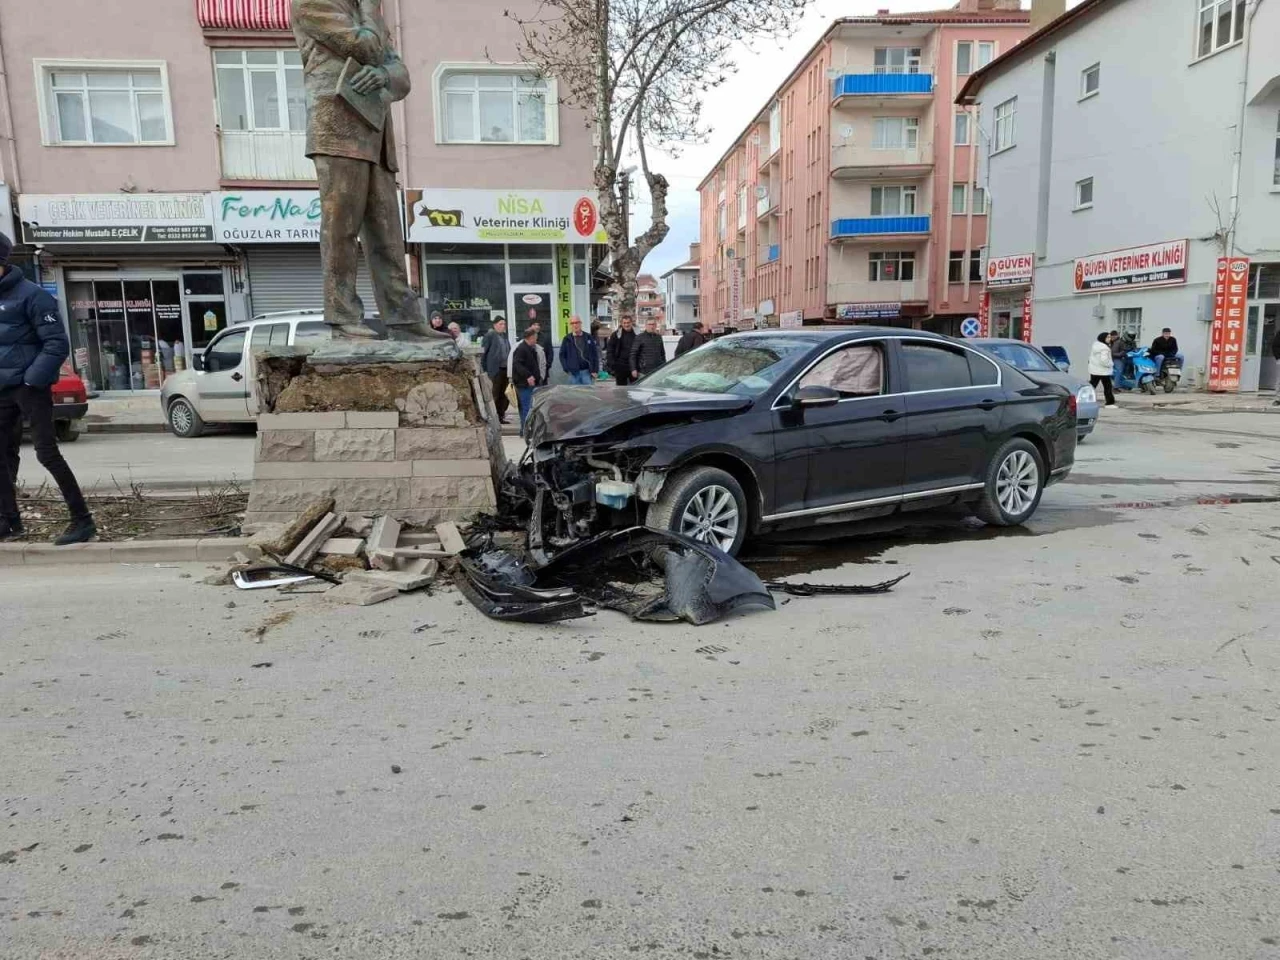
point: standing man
(33, 346)
(356, 162)
(579, 354)
(692, 339)
(495, 349)
(618, 351)
(529, 371)
(648, 353)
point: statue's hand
(369, 79)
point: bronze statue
(347, 42)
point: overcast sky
(730, 108)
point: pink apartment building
(853, 196)
(154, 150)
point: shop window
(888, 266)
(469, 294)
(202, 284)
(1221, 24)
(260, 90)
(530, 251)
(531, 274)
(99, 103)
(477, 104)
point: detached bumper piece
(504, 599)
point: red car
(70, 404)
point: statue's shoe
(414, 331)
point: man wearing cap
(33, 346)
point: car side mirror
(816, 396)
(198, 362)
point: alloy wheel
(712, 517)
(1017, 483)
(180, 417)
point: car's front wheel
(183, 419)
(704, 504)
(66, 431)
(1015, 483)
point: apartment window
(1090, 78)
(695, 311)
(956, 268)
(260, 90)
(986, 53)
(895, 133)
(101, 103)
(1221, 24)
(722, 222)
(893, 201)
(695, 281)
(892, 265)
(979, 200)
(496, 106)
(1006, 115)
(959, 197)
(964, 57)
(897, 60)
(1084, 193)
(962, 129)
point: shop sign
(116, 218)
(733, 316)
(868, 311)
(564, 288)
(1226, 342)
(1026, 316)
(1154, 265)
(791, 320)
(267, 216)
(503, 216)
(1012, 271)
(984, 314)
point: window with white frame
(1084, 193)
(260, 90)
(962, 129)
(956, 266)
(986, 52)
(892, 265)
(1006, 116)
(979, 200)
(1221, 24)
(722, 222)
(1090, 80)
(893, 201)
(496, 106)
(964, 57)
(897, 60)
(959, 197)
(100, 103)
(895, 133)
(742, 206)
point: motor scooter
(1169, 375)
(1138, 372)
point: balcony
(770, 253)
(880, 89)
(864, 291)
(265, 155)
(765, 206)
(879, 228)
(853, 162)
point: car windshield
(1021, 357)
(743, 366)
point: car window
(311, 331)
(1021, 357)
(269, 335)
(856, 371)
(746, 366)
(982, 372)
(930, 367)
(226, 352)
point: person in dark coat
(495, 352)
(617, 351)
(579, 354)
(33, 347)
(648, 353)
(692, 339)
(528, 372)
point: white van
(222, 386)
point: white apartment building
(1128, 145)
(680, 289)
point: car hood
(581, 413)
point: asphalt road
(1051, 743)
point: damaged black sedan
(794, 430)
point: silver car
(1034, 361)
(221, 386)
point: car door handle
(988, 404)
(890, 415)
(236, 377)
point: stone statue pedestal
(402, 428)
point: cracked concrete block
(440, 443)
(355, 445)
(289, 446)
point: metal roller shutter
(288, 277)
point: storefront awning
(243, 14)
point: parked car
(1040, 366)
(796, 430)
(70, 405)
(220, 387)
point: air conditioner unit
(728, 253)
(1099, 312)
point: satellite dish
(846, 131)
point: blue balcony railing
(774, 253)
(883, 84)
(878, 226)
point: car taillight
(1074, 404)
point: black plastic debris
(495, 590)
(833, 590)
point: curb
(211, 550)
(91, 428)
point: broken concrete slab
(418, 566)
(382, 542)
(428, 540)
(357, 525)
(308, 517)
(361, 594)
(342, 547)
(450, 539)
(306, 551)
(404, 582)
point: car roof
(1021, 343)
(841, 334)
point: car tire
(1015, 483)
(66, 431)
(183, 420)
(695, 503)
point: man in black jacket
(1164, 347)
(528, 372)
(648, 353)
(617, 351)
(33, 346)
(693, 339)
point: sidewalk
(1188, 402)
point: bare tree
(640, 68)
